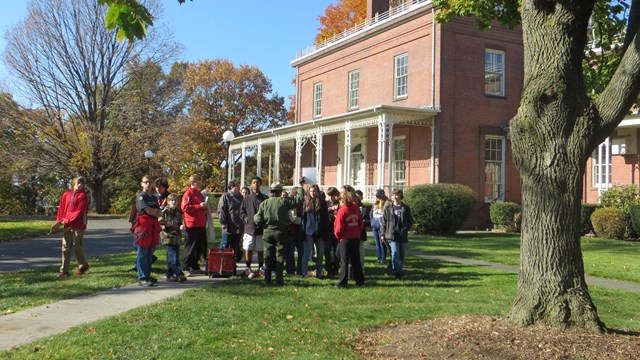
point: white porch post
(296, 175)
(382, 134)
(319, 155)
(276, 162)
(259, 159)
(391, 152)
(242, 167)
(347, 153)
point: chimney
(376, 6)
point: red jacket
(73, 210)
(195, 215)
(348, 223)
(146, 231)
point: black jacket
(229, 213)
(249, 207)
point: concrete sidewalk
(32, 324)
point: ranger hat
(276, 186)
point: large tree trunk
(552, 135)
(96, 197)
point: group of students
(276, 227)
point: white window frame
(317, 99)
(494, 155)
(399, 161)
(354, 89)
(494, 71)
(401, 76)
(600, 160)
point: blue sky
(265, 34)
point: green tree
(74, 70)
(555, 130)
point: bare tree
(73, 70)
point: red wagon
(221, 263)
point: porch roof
(363, 118)
(630, 121)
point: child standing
(170, 236)
(394, 230)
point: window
(399, 161)
(401, 76)
(600, 167)
(317, 99)
(494, 168)
(354, 89)
(494, 72)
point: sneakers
(83, 269)
(172, 278)
(62, 274)
(186, 273)
(153, 280)
(261, 272)
(181, 278)
(249, 273)
(145, 283)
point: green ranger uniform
(273, 216)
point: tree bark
(553, 134)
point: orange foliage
(341, 16)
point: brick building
(401, 100)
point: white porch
(349, 130)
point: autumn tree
(340, 16)
(556, 128)
(222, 97)
(74, 70)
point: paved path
(108, 236)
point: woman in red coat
(72, 213)
(347, 227)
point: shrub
(503, 215)
(634, 215)
(609, 223)
(440, 208)
(585, 218)
(622, 197)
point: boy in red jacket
(72, 213)
(194, 209)
(347, 227)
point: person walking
(347, 226)
(72, 215)
(229, 217)
(376, 213)
(194, 209)
(273, 216)
(146, 230)
(252, 238)
(395, 224)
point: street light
(227, 138)
(148, 155)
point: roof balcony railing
(393, 11)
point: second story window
(354, 89)
(317, 99)
(494, 72)
(400, 76)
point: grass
(611, 259)
(15, 229)
(307, 318)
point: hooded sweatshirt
(348, 223)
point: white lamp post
(148, 155)
(227, 138)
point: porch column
(259, 159)
(391, 152)
(276, 161)
(347, 153)
(242, 167)
(382, 138)
(319, 155)
(298, 170)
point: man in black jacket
(252, 237)
(229, 217)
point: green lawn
(612, 259)
(307, 318)
(15, 229)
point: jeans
(308, 248)
(173, 262)
(381, 248)
(143, 262)
(232, 241)
(398, 250)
